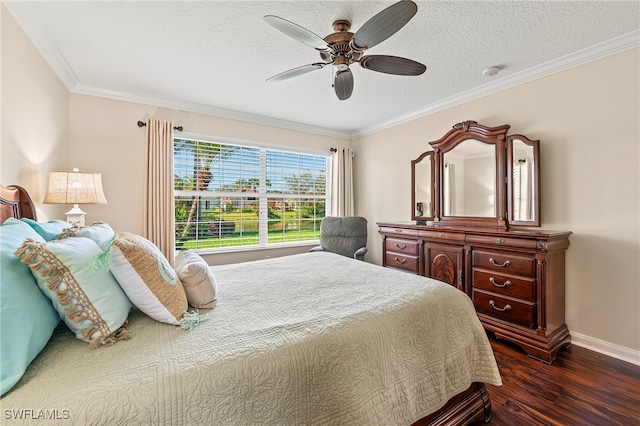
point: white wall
(588, 121)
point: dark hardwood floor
(581, 387)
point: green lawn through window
(245, 239)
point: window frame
(263, 224)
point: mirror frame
(535, 144)
(421, 220)
(504, 208)
(466, 130)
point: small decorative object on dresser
(513, 274)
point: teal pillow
(49, 230)
(99, 232)
(88, 300)
(27, 318)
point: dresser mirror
(469, 180)
(477, 176)
(523, 180)
(422, 194)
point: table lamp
(75, 187)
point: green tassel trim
(191, 319)
(101, 261)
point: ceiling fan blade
(383, 25)
(392, 65)
(297, 32)
(343, 84)
(294, 72)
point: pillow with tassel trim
(100, 232)
(89, 301)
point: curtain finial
(176, 128)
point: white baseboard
(597, 345)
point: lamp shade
(75, 187)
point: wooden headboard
(15, 202)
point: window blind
(229, 196)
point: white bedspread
(308, 339)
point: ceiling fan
(343, 48)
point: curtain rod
(143, 124)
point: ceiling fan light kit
(343, 48)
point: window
(229, 196)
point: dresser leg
(542, 348)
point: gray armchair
(343, 235)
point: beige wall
(35, 117)
(104, 137)
(44, 128)
(588, 121)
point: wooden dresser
(514, 277)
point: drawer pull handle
(494, 282)
(400, 261)
(493, 305)
(401, 246)
(399, 230)
(494, 263)
(439, 234)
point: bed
(313, 338)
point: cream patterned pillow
(90, 302)
(147, 277)
(197, 279)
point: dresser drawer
(523, 288)
(396, 245)
(441, 235)
(399, 232)
(506, 308)
(401, 261)
(506, 263)
(525, 243)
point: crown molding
(43, 43)
(209, 110)
(598, 51)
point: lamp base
(75, 216)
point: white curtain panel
(342, 203)
(159, 215)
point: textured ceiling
(214, 56)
